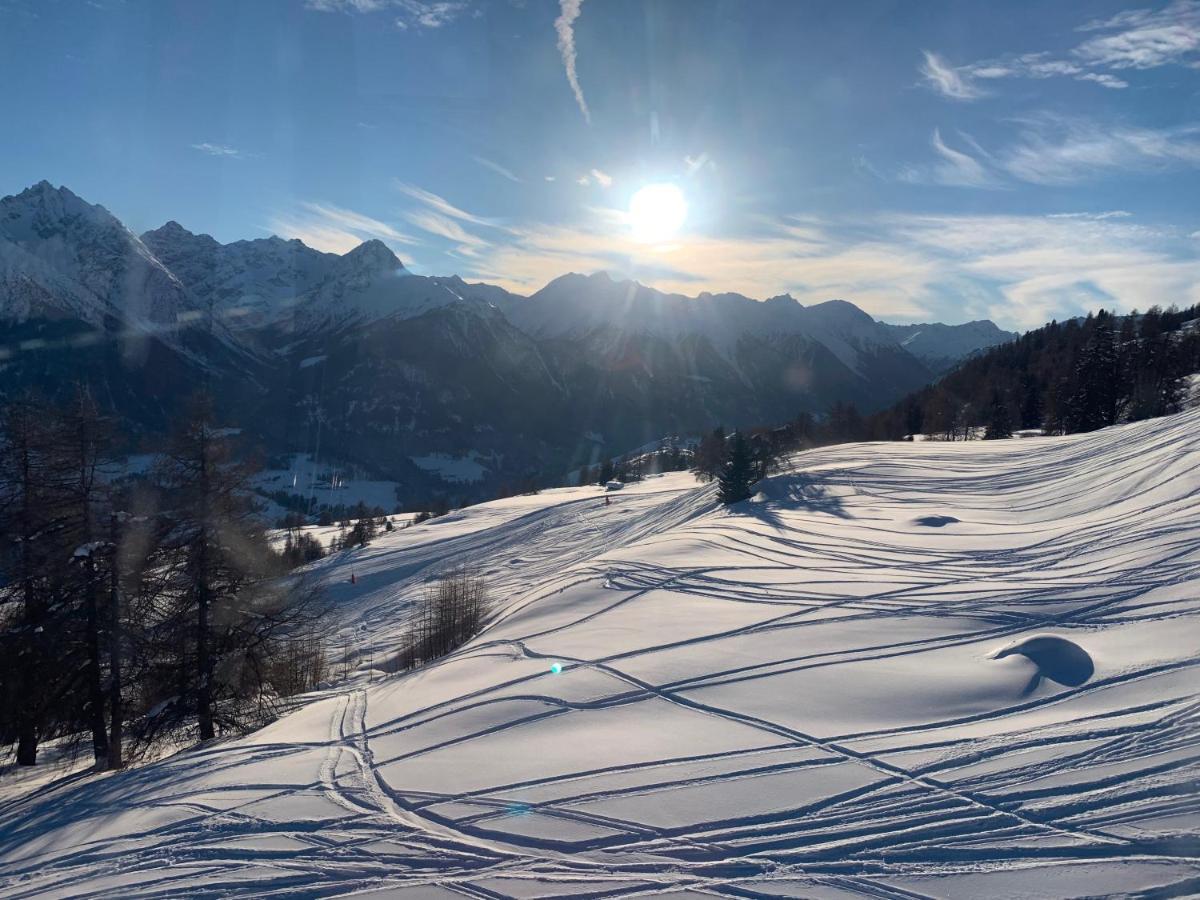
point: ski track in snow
(802, 696)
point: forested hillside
(1064, 378)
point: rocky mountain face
(942, 347)
(355, 358)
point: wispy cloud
(1037, 268)
(497, 168)
(1057, 152)
(1019, 270)
(218, 150)
(805, 261)
(1131, 40)
(439, 217)
(410, 14)
(434, 223)
(955, 168)
(1105, 80)
(594, 176)
(1144, 38)
(441, 204)
(422, 15)
(1095, 216)
(564, 26)
(947, 80)
(334, 229)
(358, 6)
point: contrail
(565, 26)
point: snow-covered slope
(273, 282)
(902, 670)
(249, 283)
(63, 257)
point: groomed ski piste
(901, 670)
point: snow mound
(1056, 658)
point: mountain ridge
(358, 356)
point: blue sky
(949, 161)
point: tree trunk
(30, 671)
(115, 736)
(204, 663)
(95, 683)
(204, 659)
(27, 744)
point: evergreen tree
(1094, 403)
(1031, 402)
(999, 423)
(1065, 376)
(710, 455)
(606, 472)
(27, 592)
(220, 555)
(914, 417)
(82, 441)
(737, 475)
(844, 423)
(1054, 407)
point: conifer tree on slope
(218, 547)
(28, 672)
(710, 455)
(1094, 403)
(82, 440)
(737, 475)
(999, 422)
(233, 613)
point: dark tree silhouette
(737, 475)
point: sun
(657, 212)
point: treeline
(136, 609)
(1064, 378)
(669, 457)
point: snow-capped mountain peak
(88, 264)
(941, 346)
(370, 259)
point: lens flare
(657, 212)
(556, 667)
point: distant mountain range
(355, 358)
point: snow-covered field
(903, 670)
(327, 485)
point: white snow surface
(903, 670)
(328, 483)
(459, 469)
